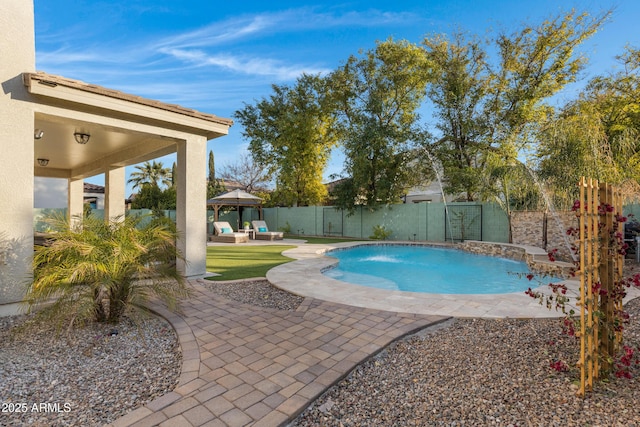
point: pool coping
(304, 277)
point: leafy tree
(598, 134)
(485, 109)
(511, 186)
(291, 134)
(214, 186)
(460, 86)
(375, 98)
(155, 198)
(150, 173)
(147, 179)
(248, 173)
(102, 270)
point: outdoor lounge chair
(225, 234)
(263, 233)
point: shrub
(286, 228)
(99, 270)
(380, 233)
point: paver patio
(247, 365)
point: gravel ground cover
(480, 373)
(256, 292)
(87, 379)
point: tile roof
(93, 188)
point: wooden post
(583, 280)
(606, 277)
(601, 268)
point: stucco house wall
(17, 46)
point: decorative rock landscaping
(479, 372)
(89, 378)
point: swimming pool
(428, 270)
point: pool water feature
(426, 269)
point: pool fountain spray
(552, 210)
(444, 199)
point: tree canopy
(153, 173)
(489, 108)
(376, 97)
(155, 185)
(249, 174)
(292, 133)
(215, 186)
(598, 134)
(490, 102)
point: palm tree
(101, 270)
(153, 173)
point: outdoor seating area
(263, 233)
(223, 233)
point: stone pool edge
(304, 277)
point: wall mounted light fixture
(81, 138)
(43, 162)
(38, 134)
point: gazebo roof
(235, 198)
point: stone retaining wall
(536, 258)
(544, 230)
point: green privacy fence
(416, 221)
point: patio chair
(225, 234)
(263, 233)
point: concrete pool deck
(304, 277)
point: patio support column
(114, 180)
(75, 204)
(17, 45)
(191, 206)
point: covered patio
(64, 128)
(83, 130)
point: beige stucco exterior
(16, 145)
(124, 130)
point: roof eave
(120, 103)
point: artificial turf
(242, 262)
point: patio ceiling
(107, 146)
(124, 129)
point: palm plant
(153, 173)
(98, 271)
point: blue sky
(215, 56)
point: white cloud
(218, 33)
(180, 52)
(50, 193)
(252, 66)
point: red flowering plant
(628, 359)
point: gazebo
(238, 198)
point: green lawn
(241, 262)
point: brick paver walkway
(246, 365)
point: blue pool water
(427, 269)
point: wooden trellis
(601, 266)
